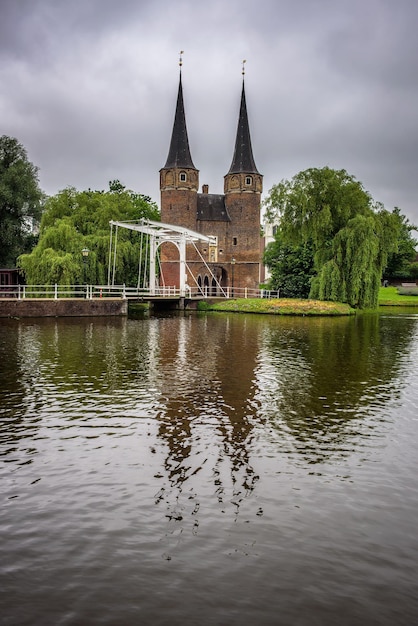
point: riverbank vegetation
(74, 222)
(388, 296)
(340, 237)
(278, 306)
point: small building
(10, 279)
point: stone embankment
(62, 307)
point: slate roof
(179, 153)
(211, 208)
(243, 160)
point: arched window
(206, 286)
(248, 180)
(183, 177)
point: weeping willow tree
(350, 235)
(74, 220)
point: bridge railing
(64, 291)
(236, 292)
(45, 291)
(122, 291)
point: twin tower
(233, 217)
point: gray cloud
(90, 87)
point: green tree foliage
(73, 220)
(20, 200)
(402, 264)
(291, 267)
(350, 236)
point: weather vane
(181, 58)
(243, 66)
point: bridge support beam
(153, 245)
(159, 233)
(183, 275)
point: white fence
(121, 291)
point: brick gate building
(232, 217)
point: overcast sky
(89, 88)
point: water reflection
(319, 379)
(209, 469)
(208, 383)
(206, 379)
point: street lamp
(85, 253)
(232, 274)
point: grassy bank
(278, 306)
(389, 296)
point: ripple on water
(210, 470)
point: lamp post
(232, 274)
(85, 253)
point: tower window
(183, 177)
(234, 241)
(248, 180)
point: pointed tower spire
(243, 160)
(179, 153)
(179, 179)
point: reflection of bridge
(150, 275)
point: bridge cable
(209, 270)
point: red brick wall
(238, 239)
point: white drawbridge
(157, 233)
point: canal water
(209, 469)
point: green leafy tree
(350, 235)
(73, 220)
(20, 200)
(291, 267)
(402, 264)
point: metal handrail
(122, 291)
